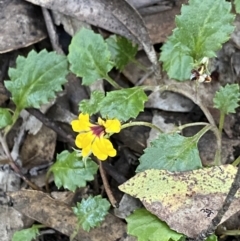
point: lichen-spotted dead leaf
(186, 201)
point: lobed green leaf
(123, 104)
(26, 234)
(5, 118)
(227, 98)
(70, 171)
(91, 106)
(89, 56)
(201, 29)
(36, 78)
(147, 227)
(171, 152)
(122, 51)
(91, 212)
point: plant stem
(14, 119)
(141, 123)
(202, 132)
(112, 82)
(218, 154)
(214, 129)
(221, 122)
(236, 162)
(180, 128)
(106, 185)
(39, 226)
(231, 232)
(217, 159)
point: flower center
(98, 130)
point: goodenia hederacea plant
(146, 226)
(5, 118)
(28, 234)
(226, 100)
(171, 152)
(122, 51)
(120, 104)
(91, 106)
(201, 29)
(123, 104)
(36, 79)
(71, 171)
(91, 212)
(89, 56)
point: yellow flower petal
(83, 117)
(86, 151)
(112, 126)
(76, 126)
(85, 139)
(102, 148)
(82, 124)
(101, 122)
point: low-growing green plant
(201, 29)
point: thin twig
(14, 165)
(51, 31)
(106, 185)
(215, 222)
(117, 176)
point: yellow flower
(92, 137)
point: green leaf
(91, 106)
(186, 201)
(5, 118)
(227, 98)
(237, 5)
(176, 62)
(147, 227)
(123, 51)
(26, 234)
(171, 152)
(212, 237)
(123, 104)
(36, 78)
(196, 36)
(70, 171)
(91, 212)
(89, 56)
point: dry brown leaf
(113, 15)
(21, 24)
(38, 149)
(57, 215)
(11, 219)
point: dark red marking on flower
(98, 130)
